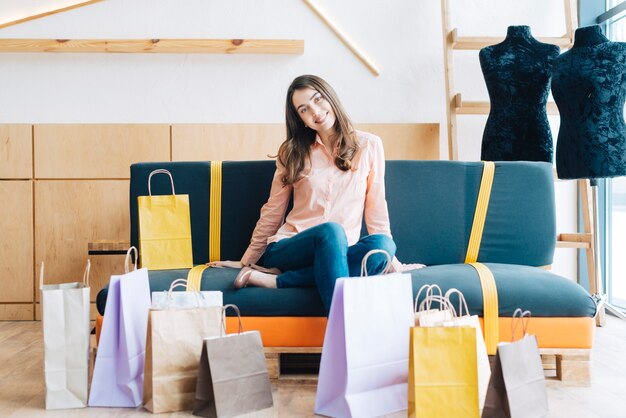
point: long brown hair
(294, 152)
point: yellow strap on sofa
(481, 212)
(487, 282)
(215, 211)
(194, 277)
(490, 307)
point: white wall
(402, 37)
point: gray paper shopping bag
(173, 347)
(517, 386)
(65, 319)
(232, 376)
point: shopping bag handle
(443, 304)
(86, 273)
(187, 285)
(182, 282)
(41, 276)
(519, 316)
(160, 171)
(462, 301)
(127, 259)
(366, 256)
(430, 290)
(223, 329)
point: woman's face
(314, 110)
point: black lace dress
(589, 86)
(517, 72)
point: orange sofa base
(295, 331)
(309, 331)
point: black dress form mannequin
(517, 72)
(589, 87)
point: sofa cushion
(543, 293)
(431, 210)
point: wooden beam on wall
(48, 13)
(347, 42)
(167, 46)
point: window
(616, 188)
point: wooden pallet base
(562, 366)
(567, 366)
(273, 357)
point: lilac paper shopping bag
(365, 358)
(118, 373)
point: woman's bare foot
(260, 279)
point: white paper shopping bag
(364, 366)
(65, 319)
(193, 298)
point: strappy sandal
(242, 278)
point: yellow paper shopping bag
(443, 378)
(164, 229)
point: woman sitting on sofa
(337, 176)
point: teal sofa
(431, 207)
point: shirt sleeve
(272, 217)
(376, 213)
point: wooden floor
(21, 382)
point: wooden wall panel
(16, 151)
(71, 213)
(97, 151)
(16, 241)
(407, 141)
(16, 312)
(419, 141)
(235, 142)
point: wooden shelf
(167, 46)
(581, 240)
(482, 108)
(473, 43)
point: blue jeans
(320, 255)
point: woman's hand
(226, 263)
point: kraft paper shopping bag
(517, 387)
(118, 373)
(232, 376)
(173, 348)
(364, 366)
(164, 229)
(65, 319)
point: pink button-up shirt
(326, 194)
